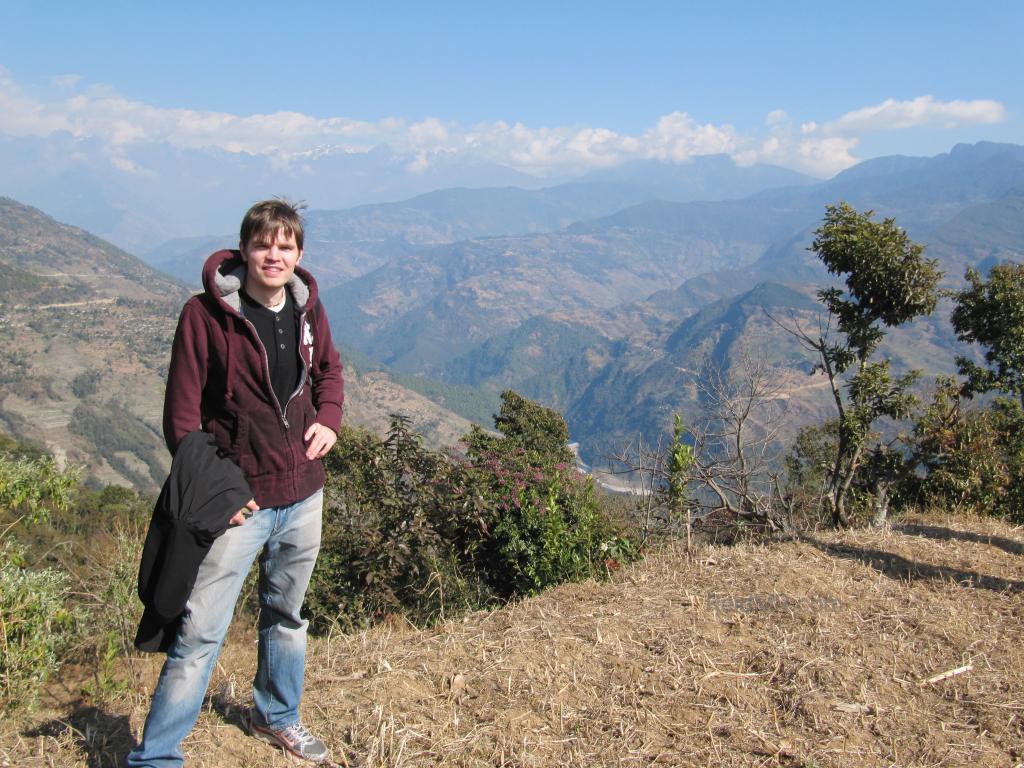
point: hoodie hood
(223, 278)
(224, 275)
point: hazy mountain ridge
(416, 313)
(644, 345)
(35, 243)
(86, 339)
(707, 177)
(609, 318)
(146, 194)
(420, 311)
(345, 244)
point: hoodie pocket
(227, 429)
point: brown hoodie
(219, 381)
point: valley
(596, 298)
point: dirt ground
(900, 647)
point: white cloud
(892, 115)
(21, 115)
(827, 148)
(821, 148)
(679, 137)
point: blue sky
(546, 88)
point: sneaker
(293, 739)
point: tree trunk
(881, 506)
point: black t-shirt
(277, 332)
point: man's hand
(321, 439)
(243, 514)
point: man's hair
(267, 217)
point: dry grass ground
(816, 652)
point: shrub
(544, 526)
(543, 522)
(534, 434)
(808, 465)
(429, 534)
(31, 485)
(110, 610)
(34, 626)
(77, 599)
(972, 459)
(398, 532)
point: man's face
(271, 262)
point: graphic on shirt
(307, 337)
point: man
(252, 364)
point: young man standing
(252, 364)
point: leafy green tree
(680, 465)
(538, 434)
(972, 459)
(991, 313)
(888, 283)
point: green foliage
(888, 283)
(973, 459)
(31, 486)
(808, 465)
(400, 523)
(538, 434)
(34, 626)
(110, 610)
(34, 621)
(544, 526)
(681, 460)
(544, 522)
(426, 534)
(68, 569)
(991, 313)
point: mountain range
(141, 195)
(609, 317)
(603, 297)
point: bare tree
(735, 441)
(727, 462)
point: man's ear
(241, 250)
(300, 256)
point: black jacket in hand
(200, 496)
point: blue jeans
(289, 538)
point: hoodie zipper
(266, 370)
(302, 376)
